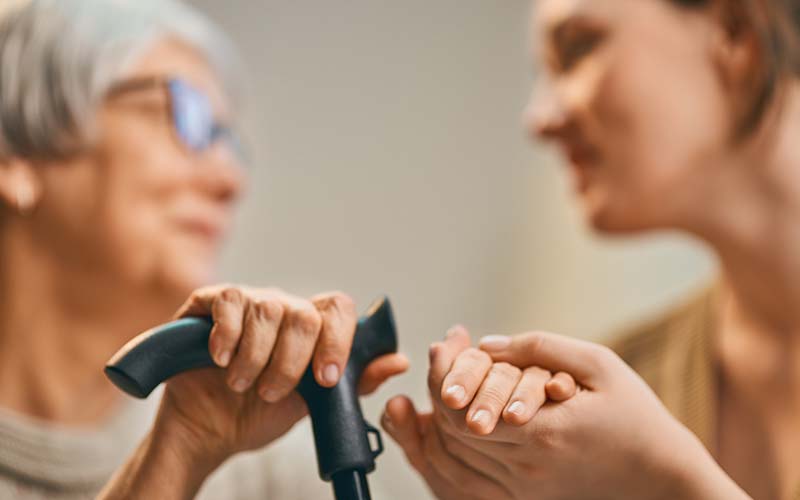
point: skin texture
(644, 99)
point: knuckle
(270, 310)
(338, 301)
(476, 356)
(537, 373)
(307, 320)
(493, 397)
(231, 294)
(506, 371)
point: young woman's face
(631, 92)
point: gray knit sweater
(41, 461)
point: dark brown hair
(775, 24)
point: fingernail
(482, 418)
(517, 408)
(433, 351)
(270, 395)
(223, 358)
(387, 423)
(239, 385)
(457, 392)
(495, 342)
(454, 330)
(330, 374)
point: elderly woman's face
(138, 204)
(631, 92)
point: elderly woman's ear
(20, 186)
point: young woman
(673, 114)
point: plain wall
(388, 158)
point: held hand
(263, 339)
(613, 439)
(476, 395)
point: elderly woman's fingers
(293, 350)
(561, 387)
(380, 370)
(262, 320)
(528, 396)
(586, 361)
(338, 313)
(443, 354)
(492, 397)
(465, 378)
(227, 311)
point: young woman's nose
(545, 115)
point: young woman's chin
(610, 213)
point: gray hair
(58, 59)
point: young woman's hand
(478, 395)
(611, 439)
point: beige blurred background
(389, 158)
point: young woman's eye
(574, 50)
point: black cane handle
(340, 433)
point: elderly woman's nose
(223, 175)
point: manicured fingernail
(223, 358)
(495, 342)
(330, 374)
(517, 408)
(270, 395)
(240, 385)
(482, 418)
(457, 392)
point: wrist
(698, 476)
(190, 449)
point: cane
(342, 437)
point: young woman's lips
(208, 229)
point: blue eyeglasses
(190, 111)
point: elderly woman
(118, 179)
(674, 114)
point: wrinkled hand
(613, 439)
(262, 340)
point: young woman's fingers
(561, 387)
(457, 472)
(403, 424)
(586, 361)
(262, 319)
(294, 347)
(380, 370)
(528, 396)
(465, 378)
(492, 398)
(476, 456)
